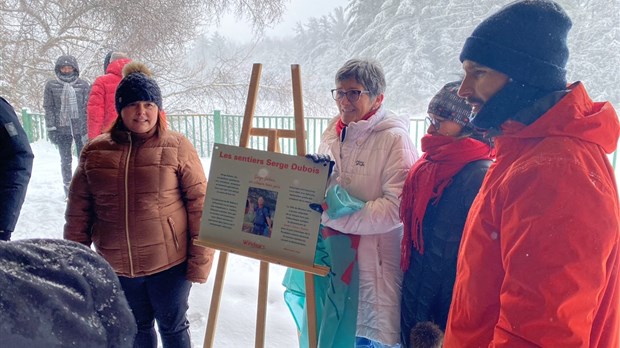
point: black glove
(318, 207)
(52, 135)
(5, 235)
(322, 158)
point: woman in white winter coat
(373, 152)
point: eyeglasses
(353, 95)
(430, 121)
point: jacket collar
(574, 115)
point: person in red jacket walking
(100, 111)
(539, 259)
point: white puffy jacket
(372, 163)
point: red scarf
(443, 158)
(340, 125)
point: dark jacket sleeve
(15, 167)
(49, 105)
(476, 171)
(83, 106)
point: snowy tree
(594, 42)
(323, 47)
(418, 42)
(34, 33)
(219, 74)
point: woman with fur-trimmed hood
(137, 195)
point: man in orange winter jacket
(540, 255)
(101, 112)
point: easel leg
(214, 308)
(311, 310)
(261, 314)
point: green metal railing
(228, 129)
(34, 125)
(206, 129)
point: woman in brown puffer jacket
(137, 195)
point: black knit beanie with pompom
(137, 85)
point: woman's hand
(322, 158)
(338, 203)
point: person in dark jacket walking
(436, 198)
(15, 168)
(64, 102)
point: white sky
(42, 216)
(297, 11)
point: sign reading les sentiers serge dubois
(257, 204)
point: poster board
(257, 205)
(273, 136)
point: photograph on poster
(259, 211)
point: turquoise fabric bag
(336, 293)
(340, 203)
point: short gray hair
(366, 72)
(118, 55)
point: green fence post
(217, 126)
(27, 123)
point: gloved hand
(322, 158)
(338, 203)
(5, 235)
(320, 207)
(52, 135)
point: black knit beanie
(447, 104)
(137, 85)
(527, 41)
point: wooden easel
(273, 145)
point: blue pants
(363, 342)
(259, 229)
(163, 297)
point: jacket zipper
(174, 234)
(379, 256)
(131, 271)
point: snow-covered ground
(42, 216)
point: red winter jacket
(539, 261)
(101, 111)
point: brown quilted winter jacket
(139, 200)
